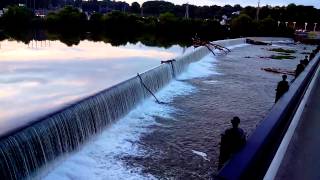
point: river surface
(175, 140)
(42, 76)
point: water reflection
(55, 50)
(27, 36)
(41, 76)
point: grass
(281, 57)
(281, 50)
(285, 54)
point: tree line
(164, 21)
(292, 12)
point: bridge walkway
(298, 156)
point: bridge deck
(302, 157)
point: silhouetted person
(312, 55)
(282, 87)
(305, 61)
(299, 69)
(232, 140)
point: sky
(315, 3)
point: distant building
(41, 13)
(236, 13)
(224, 20)
(104, 9)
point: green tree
(242, 26)
(267, 27)
(119, 22)
(68, 18)
(135, 8)
(168, 18)
(17, 17)
(96, 22)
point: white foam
(238, 46)
(202, 154)
(202, 68)
(100, 159)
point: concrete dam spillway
(27, 149)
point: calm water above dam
(45, 75)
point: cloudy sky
(315, 3)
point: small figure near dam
(232, 140)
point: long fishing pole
(145, 86)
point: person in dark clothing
(299, 69)
(232, 140)
(312, 54)
(282, 87)
(305, 61)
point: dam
(126, 133)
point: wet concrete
(241, 89)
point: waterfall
(25, 151)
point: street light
(305, 26)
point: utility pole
(187, 11)
(142, 10)
(258, 11)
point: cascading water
(24, 152)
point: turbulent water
(237, 87)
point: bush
(243, 25)
(68, 18)
(118, 22)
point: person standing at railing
(282, 87)
(232, 140)
(299, 69)
(305, 61)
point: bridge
(286, 144)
